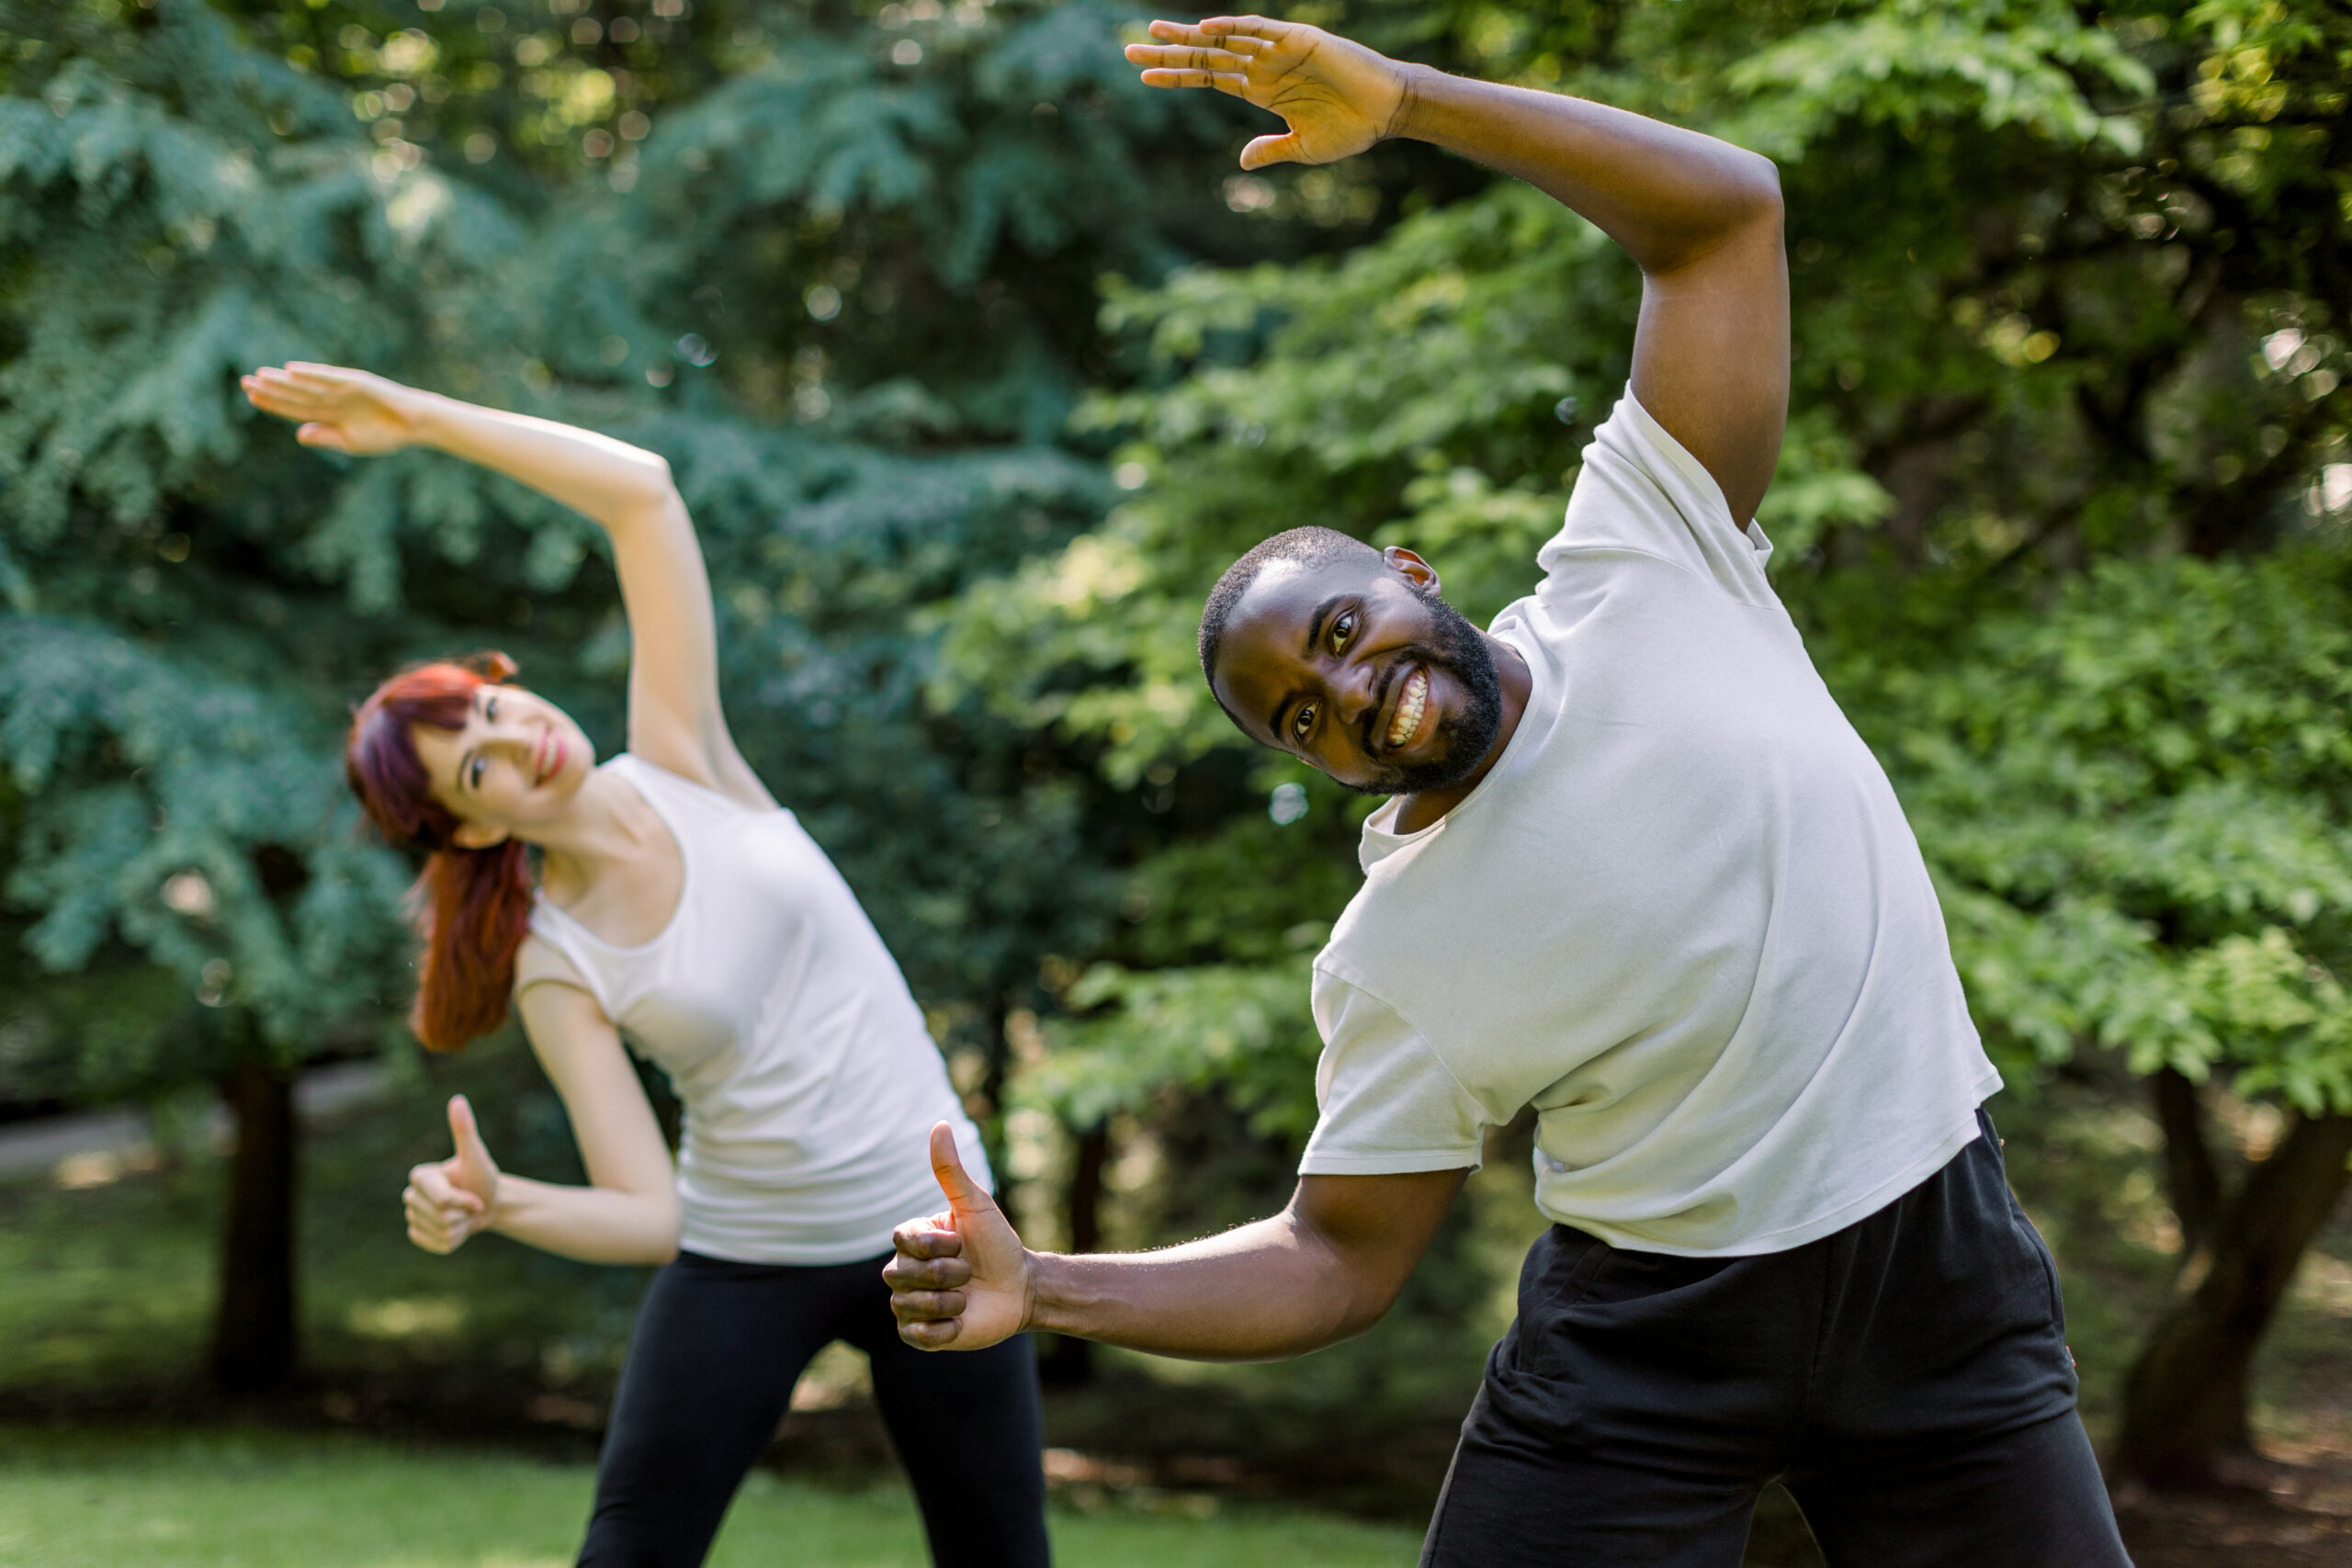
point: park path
(90, 1141)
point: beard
(1454, 644)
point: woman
(676, 905)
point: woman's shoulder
(698, 787)
(539, 961)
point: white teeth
(1409, 709)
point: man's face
(1359, 668)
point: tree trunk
(1070, 1362)
(2185, 1401)
(254, 1338)
(2189, 1171)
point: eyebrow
(1306, 651)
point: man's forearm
(1668, 195)
(1258, 1293)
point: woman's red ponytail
(473, 907)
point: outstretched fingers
(285, 394)
(1209, 55)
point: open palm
(337, 409)
(1338, 98)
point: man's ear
(1419, 573)
(475, 836)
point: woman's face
(513, 769)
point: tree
(2069, 296)
(2137, 799)
(835, 267)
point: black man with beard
(1639, 874)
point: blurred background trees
(976, 362)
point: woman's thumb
(465, 1134)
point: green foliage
(837, 269)
(2137, 799)
(976, 363)
(2069, 291)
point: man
(1640, 874)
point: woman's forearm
(1667, 195)
(608, 481)
(593, 1224)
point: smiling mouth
(1410, 706)
(550, 756)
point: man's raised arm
(1700, 217)
(1322, 1270)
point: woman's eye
(1304, 722)
(1342, 629)
(490, 710)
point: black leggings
(711, 1364)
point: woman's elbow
(666, 1223)
(649, 491)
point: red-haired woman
(676, 906)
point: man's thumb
(947, 1165)
(1265, 149)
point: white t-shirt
(1683, 916)
(808, 1081)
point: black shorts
(1906, 1379)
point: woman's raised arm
(675, 717)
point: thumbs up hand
(960, 1280)
(449, 1200)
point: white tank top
(808, 1081)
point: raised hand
(449, 1200)
(1338, 98)
(338, 410)
(960, 1280)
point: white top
(1683, 916)
(808, 1081)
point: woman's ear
(477, 836)
(1416, 571)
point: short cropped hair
(1309, 547)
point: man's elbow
(1758, 182)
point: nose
(1355, 691)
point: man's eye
(1342, 629)
(1303, 722)
(473, 774)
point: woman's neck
(609, 826)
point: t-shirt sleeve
(1388, 1105)
(1641, 490)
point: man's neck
(1510, 668)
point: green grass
(266, 1499)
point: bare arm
(1322, 1270)
(628, 1213)
(1700, 217)
(674, 718)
